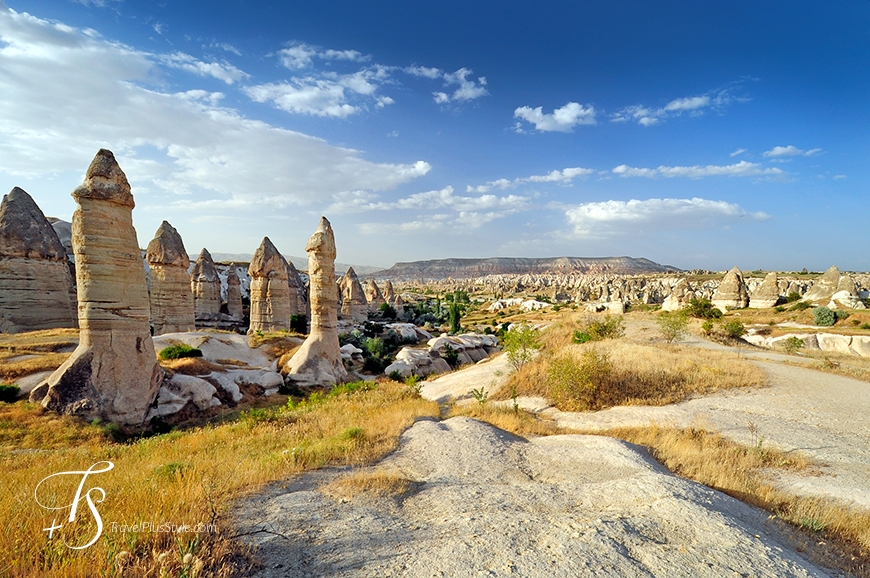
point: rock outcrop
(767, 294)
(395, 300)
(35, 279)
(374, 297)
(205, 284)
(298, 292)
(318, 361)
(234, 295)
(113, 373)
(731, 293)
(270, 290)
(353, 299)
(171, 298)
(824, 287)
(679, 296)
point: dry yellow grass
(190, 365)
(26, 353)
(368, 483)
(518, 422)
(185, 477)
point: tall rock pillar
(318, 361)
(113, 374)
(205, 284)
(270, 289)
(171, 298)
(234, 295)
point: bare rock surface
(271, 305)
(318, 361)
(113, 373)
(767, 294)
(171, 298)
(205, 284)
(234, 295)
(486, 503)
(35, 279)
(731, 292)
(219, 346)
(374, 297)
(824, 287)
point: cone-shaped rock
(353, 298)
(113, 374)
(374, 296)
(270, 289)
(824, 287)
(393, 299)
(205, 284)
(171, 298)
(731, 292)
(234, 295)
(318, 360)
(679, 296)
(767, 294)
(35, 279)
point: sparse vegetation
(672, 324)
(793, 344)
(801, 306)
(8, 393)
(179, 351)
(520, 344)
(734, 329)
(824, 317)
(702, 308)
(598, 329)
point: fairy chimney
(353, 298)
(113, 373)
(171, 298)
(270, 289)
(205, 284)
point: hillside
(465, 268)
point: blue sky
(699, 135)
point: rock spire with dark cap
(171, 297)
(113, 374)
(318, 361)
(271, 305)
(35, 279)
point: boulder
(180, 390)
(767, 294)
(171, 299)
(36, 287)
(731, 292)
(113, 373)
(318, 361)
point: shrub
(299, 323)
(572, 384)
(841, 315)
(792, 297)
(734, 329)
(9, 393)
(451, 356)
(824, 317)
(702, 308)
(864, 326)
(388, 311)
(178, 351)
(779, 308)
(800, 306)
(415, 384)
(454, 314)
(480, 394)
(793, 344)
(520, 344)
(707, 327)
(672, 324)
(598, 329)
(581, 337)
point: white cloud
(65, 93)
(431, 73)
(611, 218)
(562, 119)
(790, 151)
(565, 176)
(301, 55)
(222, 71)
(158, 27)
(691, 105)
(738, 152)
(838, 177)
(741, 169)
(467, 89)
(226, 47)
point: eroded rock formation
(767, 294)
(824, 287)
(374, 297)
(35, 279)
(353, 298)
(234, 295)
(113, 374)
(171, 298)
(318, 361)
(206, 288)
(270, 289)
(393, 299)
(731, 293)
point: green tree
(672, 324)
(520, 344)
(454, 315)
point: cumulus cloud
(565, 176)
(300, 55)
(222, 71)
(741, 169)
(65, 93)
(611, 218)
(467, 89)
(790, 151)
(714, 100)
(562, 119)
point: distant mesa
(466, 268)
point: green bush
(779, 308)
(864, 326)
(734, 329)
(581, 337)
(800, 306)
(841, 315)
(520, 344)
(388, 311)
(702, 308)
(793, 344)
(299, 323)
(572, 384)
(598, 329)
(178, 351)
(824, 317)
(451, 356)
(672, 324)
(707, 327)
(792, 297)
(9, 393)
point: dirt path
(822, 415)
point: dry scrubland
(24, 354)
(183, 477)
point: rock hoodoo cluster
(318, 361)
(171, 298)
(206, 288)
(35, 279)
(353, 299)
(373, 296)
(271, 305)
(394, 300)
(113, 374)
(731, 293)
